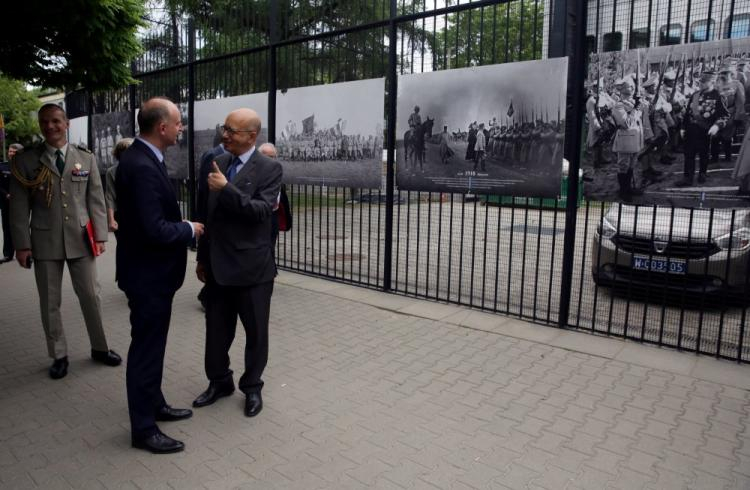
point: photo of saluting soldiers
(670, 106)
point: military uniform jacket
(706, 108)
(56, 231)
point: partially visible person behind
(282, 212)
(13, 150)
(110, 193)
(151, 260)
(54, 193)
(206, 159)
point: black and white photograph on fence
(210, 115)
(495, 129)
(106, 130)
(668, 125)
(78, 132)
(332, 134)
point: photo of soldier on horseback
(506, 133)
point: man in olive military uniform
(706, 115)
(55, 191)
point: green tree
(228, 26)
(87, 43)
(18, 105)
(516, 28)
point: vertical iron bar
(429, 241)
(575, 97)
(723, 305)
(523, 255)
(536, 264)
(461, 249)
(389, 176)
(552, 259)
(510, 252)
(484, 252)
(191, 119)
(450, 251)
(497, 253)
(439, 248)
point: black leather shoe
(213, 393)
(59, 368)
(110, 358)
(159, 444)
(169, 414)
(253, 404)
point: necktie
(232, 170)
(59, 161)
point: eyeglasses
(231, 130)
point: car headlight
(738, 240)
(605, 229)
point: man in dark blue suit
(151, 259)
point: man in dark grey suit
(235, 259)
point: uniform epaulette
(83, 147)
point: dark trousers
(718, 144)
(149, 319)
(696, 143)
(7, 241)
(252, 304)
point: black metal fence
(523, 257)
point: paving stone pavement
(370, 390)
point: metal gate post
(390, 172)
(191, 119)
(568, 38)
(274, 38)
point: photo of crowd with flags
(332, 134)
(496, 129)
(313, 144)
(668, 125)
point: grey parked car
(663, 250)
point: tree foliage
(17, 105)
(501, 33)
(228, 26)
(87, 43)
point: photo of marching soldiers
(78, 132)
(332, 134)
(106, 130)
(495, 129)
(668, 125)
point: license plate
(659, 264)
